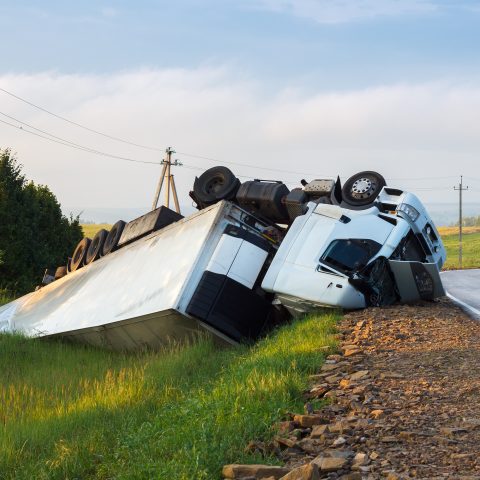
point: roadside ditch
(402, 402)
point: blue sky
(390, 85)
(324, 43)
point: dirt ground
(406, 394)
(404, 401)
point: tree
(34, 234)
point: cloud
(404, 131)
(109, 12)
(343, 11)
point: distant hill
(445, 214)
(111, 215)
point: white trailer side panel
(137, 287)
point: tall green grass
(470, 250)
(70, 412)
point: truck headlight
(412, 212)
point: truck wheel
(96, 247)
(78, 257)
(363, 188)
(215, 184)
(60, 272)
(113, 237)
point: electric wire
(112, 137)
(158, 149)
(67, 143)
(148, 147)
(279, 170)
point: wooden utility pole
(170, 185)
(460, 189)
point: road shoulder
(403, 400)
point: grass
(71, 412)
(454, 230)
(5, 297)
(471, 247)
(90, 229)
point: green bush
(34, 234)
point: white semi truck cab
(333, 256)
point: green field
(471, 247)
(90, 229)
(71, 412)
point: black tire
(96, 247)
(60, 272)
(215, 184)
(362, 188)
(78, 257)
(113, 237)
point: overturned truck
(254, 254)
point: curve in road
(462, 286)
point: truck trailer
(254, 254)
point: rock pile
(402, 401)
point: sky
(273, 89)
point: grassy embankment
(73, 412)
(471, 247)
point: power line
(148, 147)
(423, 178)
(432, 189)
(303, 173)
(201, 169)
(79, 124)
(249, 165)
(67, 143)
(63, 140)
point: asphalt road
(463, 286)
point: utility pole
(460, 189)
(170, 185)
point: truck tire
(215, 184)
(96, 247)
(78, 257)
(362, 188)
(60, 272)
(113, 237)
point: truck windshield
(350, 255)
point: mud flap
(416, 281)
